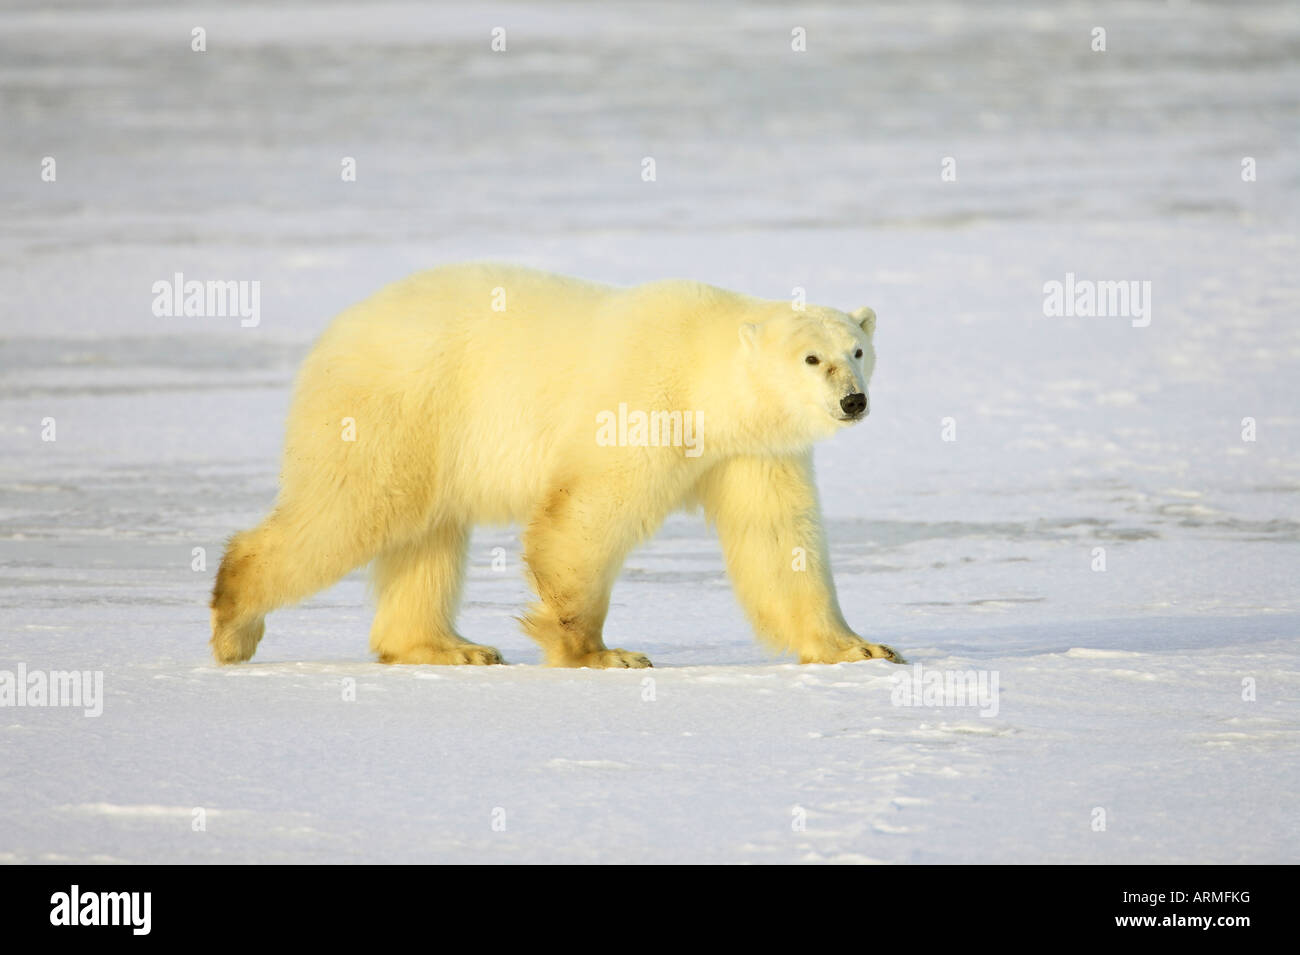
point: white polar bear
(477, 394)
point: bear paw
(467, 654)
(612, 660)
(856, 652)
(233, 643)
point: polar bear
(480, 393)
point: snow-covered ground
(1124, 694)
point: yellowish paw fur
(470, 654)
(609, 660)
(856, 652)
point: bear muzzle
(854, 406)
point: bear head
(810, 369)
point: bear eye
(858, 353)
(812, 359)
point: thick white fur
(467, 415)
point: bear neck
(766, 426)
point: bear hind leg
(284, 559)
(417, 586)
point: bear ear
(866, 319)
(748, 335)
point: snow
(1118, 690)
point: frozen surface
(1120, 690)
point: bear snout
(854, 405)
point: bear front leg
(574, 547)
(769, 520)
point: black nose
(854, 404)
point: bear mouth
(851, 417)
